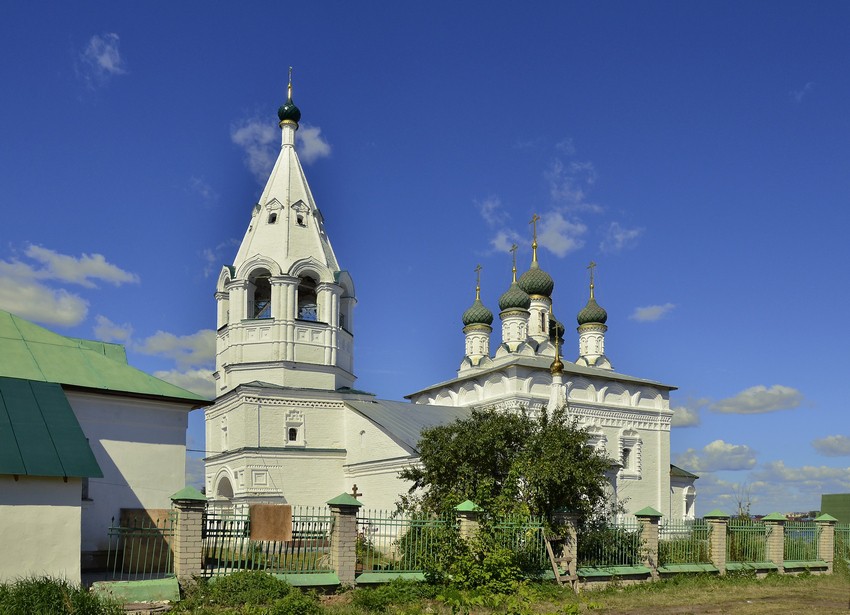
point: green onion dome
(592, 312)
(289, 112)
(477, 314)
(535, 281)
(514, 298)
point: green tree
(509, 463)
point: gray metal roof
(404, 421)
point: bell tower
(284, 307)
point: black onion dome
(477, 314)
(514, 298)
(592, 312)
(289, 112)
(535, 281)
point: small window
(627, 458)
(300, 220)
(292, 434)
(85, 489)
(272, 218)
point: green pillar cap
(649, 511)
(826, 517)
(344, 499)
(189, 493)
(468, 506)
(716, 514)
(774, 517)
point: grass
(46, 596)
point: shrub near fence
(227, 545)
(610, 546)
(801, 543)
(842, 542)
(746, 541)
(684, 542)
(398, 543)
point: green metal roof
(32, 352)
(39, 433)
(681, 473)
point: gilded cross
(477, 281)
(533, 222)
(513, 254)
(591, 266)
(289, 87)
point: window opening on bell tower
(308, 308)
(260, 296)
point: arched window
(225, 489)
(260, 295)
(308, 307)
(292, 434)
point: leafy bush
(46, 596)
(244, 587)
(397, 592)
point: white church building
(288, 425)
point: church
(288, 424)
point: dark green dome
(535, 281)
(477, 314)
(592, 312)
(514, 298)
(288, 111)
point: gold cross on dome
(477, 281)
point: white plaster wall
(366, 442)
(39, 528)
(140, 446)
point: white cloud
(833, 446)
(560, 235)
(35, 301)
(818, 479)
(198, 381)
(566, 147)
(199, 186)
(187, 350)
(685, 417)
(798, 95)
(108, 331)
(759, 399)
(492, 212)
(257, 138)
(569, 183)
(618, 238)
(101, 60)
(310, 143)
(214, 258)
(80, 270)
(504, 240)
(717, 455)
(651, 313)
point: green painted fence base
(613, 571)
(804, 565)
(151, 590)
(386, 577)
(314, 579)
(739, 566)
(679, 568)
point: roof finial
(533, 222)
(478, 282)
(557, 366)
(591, 266)
(513, 253)
(289, 87)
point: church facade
(289, 426)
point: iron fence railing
(139, 547)
(616, 544)
(842, 542)
(684, 541)
(228, 546)
(801, 541)
(390, 542)
(524, 536)
(746, 541)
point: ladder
(560, 563)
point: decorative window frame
(294, 419)
(630, 439)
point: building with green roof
(83, 436)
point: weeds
(46, 596)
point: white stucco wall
(39, 528)
(140, 445)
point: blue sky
(698, 152)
